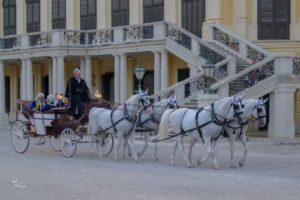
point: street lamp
(139, 73)
(208, 70)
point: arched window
(153, 10)
(9, 17)
(58, 14)
(274, 19)
(119, 12)
(88, 14)
(33, 15)
(193, 15)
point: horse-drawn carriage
(63, 131)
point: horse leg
(125, 146)
(132, 147)
(232, 148)
(180, 144)
(214, 154)
(146, 139)
(192, 143)
(119, 143)
(244, 142)
(173, 153)
(207, 145)
(155, 150)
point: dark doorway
(147, 82)
(183, 74)
(193, 15)
(108, 87)
(265, 128)
(45, 85)
(7, 94)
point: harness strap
(215, 118)
(112, 121)
(127, 117)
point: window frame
(60, 21)
(10, 6)
(152, 6)
(32, 27)
(122, 11)
(88, 16)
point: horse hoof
(139, 154)
(156, 159)
(189, 166)
(172, 162)
(241, 164)
(216, 167)
(199, 162)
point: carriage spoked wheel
(55, 143)
(105, 144)
(19, 136)
(68, 142)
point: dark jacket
(78, 94)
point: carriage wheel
(105, 144)
(55, 144)
(68, 142)
(19, 136)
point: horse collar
(127, 117)
(215, 118)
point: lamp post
(139, 73)
(208, 69)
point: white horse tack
(151, 122)
(254, 110)
(207, 124)
(119, 121)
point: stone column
(29, 79)
(136, 12)
(171, 11)
(241, 18)
(82, 67)
(60, 74)
(88, 71)
(3, 114)
(21, 17)
(23, 81)
(71, 14)
(117, 79)
(103, 14)
(164, 70)
(282, 111)
(123, 78)
(45, 18)
(55, 75)
(50, 77)
(157, 71)
(213, 10)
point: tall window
(153, 10)
(120, 12)
(274, 19)
(88, 14)
(33, 15)
(193, 15)
(58, 14)
(9, 16)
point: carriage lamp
(139, 73)
(98, 95)
(208, 70)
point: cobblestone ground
(272, 172)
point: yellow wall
(227, 12)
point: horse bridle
(259, 110)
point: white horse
(119, 121)
(206, 123)
(254, 110)
(151, 122)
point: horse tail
(164, 125)
(90, 124)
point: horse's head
(236, 109)
(260, 113)
(145, 100)
(172, 103)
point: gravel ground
(272, 171)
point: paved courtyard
(272, 171)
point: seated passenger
(39, 102)
(51, 103)
(59, 100)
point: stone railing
(296, 66)
(40, 39)
(193, 43)
(11, 42)
(248, 77)
(191, 87)
(236, 43)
